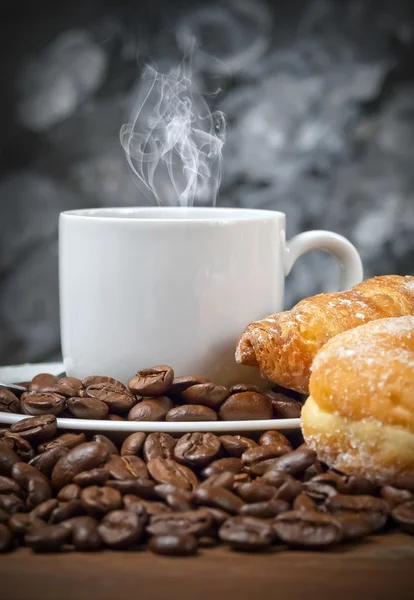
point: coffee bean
(195, 522)
(182, 383)
(395, 496)
(8, 457)
(36, 429)
(9, 402)
(144, 509)
(289, 490)
(35, 484)
(246, 406)
(159, 445)
(235, 445)
(166, 470)
(404, 481)
(22, 523)
(243, 387)
(151, 409)
(232, 465)
(50, 538)
(84, 533)
(355, 526)
(224, 479)
(207, 541)
(81, 458)
(67, 386)
(178, 502)
(11, 503)
(4, 516)
(261, 453)
(87, 408)
(114, 417)
(303, 502)
(44, 510)
(152, 382)
(191, 412)
(66, 440)
(126, 467)
(313, 471)
(133, 443)
(140, 487)
(93, 477)
(162, 490)
(283, 406)
(206, 394)
(69, 492)
(255, 492)
(120, 529)
(173, 545)
(9, 486)
(294, 462)
(218, 497)
(65, 510)
(46, 461)
(118, 399)
(307, 530)
(403, 515)
(42, 403)
(197, 449)
(319, 492)
(97, 501)
(217, 514)
(268, 438)
(375, 509)
(100, 380)
(6, 538)
(247, 534)
(110, 446)
(331, 479)
(357, 486)
(41, 381)
(266, 509)
(20, 445)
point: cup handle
(339, 247)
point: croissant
(284, 345)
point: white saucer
(14, 374)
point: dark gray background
(319, 97)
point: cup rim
(153, 214)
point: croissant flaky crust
(360, 415)
(284, 345)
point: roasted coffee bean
(260, 453)
(152, 382)
(266, 509)
(355, 526)
(9, 486)
(268, 438)
(331, 479)
(404, 481)
(41, 381)
(8, 457)
(232, 465)
(276, 478)
(120, 529)
(173, 544)
(217, 514)
(313, 471)
(114, 417)
(69, 492)
(144, 509)
(207, 541)
(197, 449)
(67, 386)
(319, 492)
(102, 380)
(294, 462)
(97, 501)
(218, 497)
(66, 440)
(3, 430)
(4, 516)
(36, 429)
(307, 530)
(166, 470)
(159, 445)
(375, 509)
(206, 394)
(356, 486)
(241, 478)
(255, 492)
(102, 439)
(178, 501)
(9, 402)
(151, 409)
(247, 533)
(65, 510)
(395, 496)
(20, 445)
(35, 484)
(246, 406)
(126, 467)
(46, 461)
(42, 403)
(238, 388)
(12, 503)
(303, 502)
(84, 533)
(403, 515)
(6, 538)
(283, 406)
(195, 522)
(45, 509)
(191, 412)
(164, 489)
(182, 383)
(81, 458)
(224, 479)
(50, 538)
(87, 408)
(115, 395)
(93, 477)
(22, 523)
(140, 487)
(289, 490)
(133, 444)
(235, 445)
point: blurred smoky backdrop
(319, 99)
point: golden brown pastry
(284, 345)
(359, 417)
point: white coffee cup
(146, 286)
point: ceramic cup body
(147, 286)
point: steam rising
(173, 142)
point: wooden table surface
(380, 568)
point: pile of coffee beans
(151, 395)
(175, 495)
